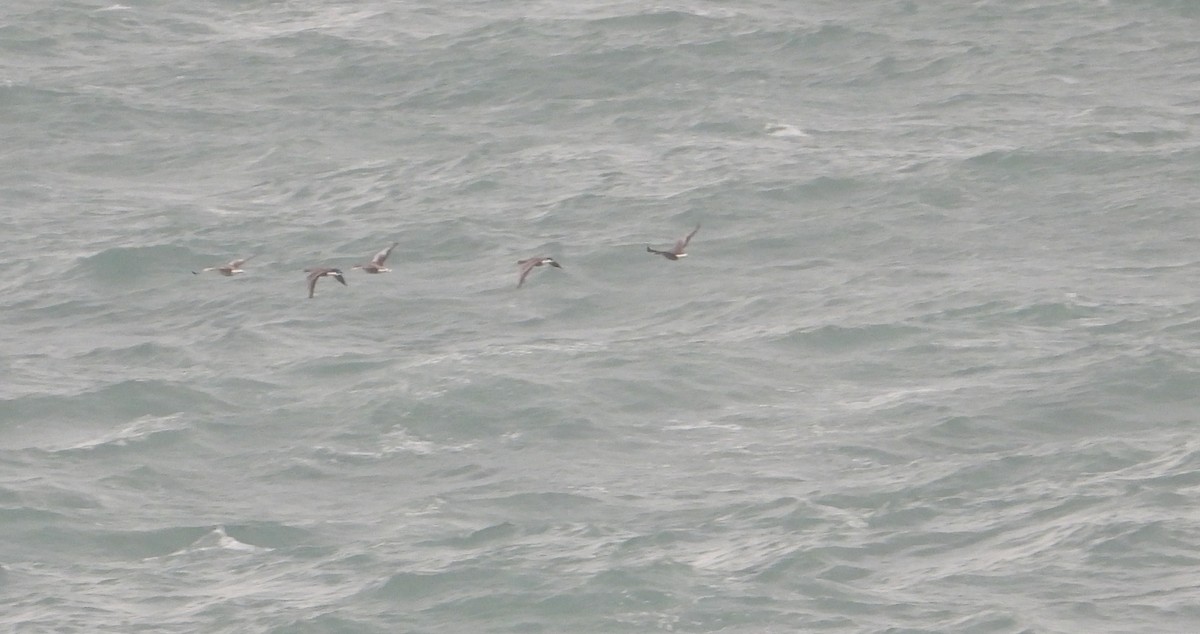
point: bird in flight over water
(376, 264)
(233, 268)
(678, 250)
(318, 273)
(528, 265)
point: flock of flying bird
(376, 265)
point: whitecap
(218, 539)
(140, 429)
(784, 130)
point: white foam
(784, 130)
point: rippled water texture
(930, 365)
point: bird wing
(313, 274)
(526, 267)
(383, 255)
(238, 263)
(682, 243)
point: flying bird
(528, 265)
(315, 274)
(376, 264)
(678, 251)
(228, 270)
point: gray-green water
(931, 365)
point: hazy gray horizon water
(931, 364)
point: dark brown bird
(376, 264)
(678, 251)
(315, 274)
(229, 270)
(532, 263)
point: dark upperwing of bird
(529, 264)
(376, 264)
(317, 273)
(679, 249)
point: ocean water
(932, 364)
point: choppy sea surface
(932, 363)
